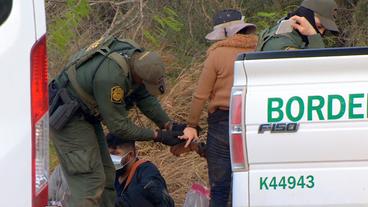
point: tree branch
(141, 22)
(205, 13)
(112, 25)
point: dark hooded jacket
(146, 189)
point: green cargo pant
(85, 160)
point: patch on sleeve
(117, 94)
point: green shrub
(62, 30)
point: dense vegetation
(176, 28)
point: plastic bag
(59, 193)
(198, 196)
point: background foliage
(176, 28)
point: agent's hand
(167, 137)
(174, 126)
(178, 126)
(303, 26)
(190, 133)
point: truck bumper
(240, 190)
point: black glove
(169, 138)
(180, 127)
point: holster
(62, 108)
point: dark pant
(218, 158)
(85, 160)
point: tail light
(40, 123)
(237, 141)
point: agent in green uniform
(311, 21)
(100, 84)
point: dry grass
(131, 20)
(179, 172)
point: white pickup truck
(299, 128)
(24, 104)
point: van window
(5, 8)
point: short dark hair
(114, 141)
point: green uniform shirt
(115, 93)
(270, 41)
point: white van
(24, 104)
(299, 128)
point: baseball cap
(227, 23)
(327, 11)
(150, 68)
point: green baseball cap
(150, 68)
(327, 11)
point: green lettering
(289, 111)
(318, 107)
(273, 183)
(301, 182)
(263, 183)
(272, 109)
(330, 107)
(310, 181)
(353, 105)
(292, 182)
(282, 182)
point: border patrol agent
(100, 84)
(311, 20)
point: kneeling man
(138, 182)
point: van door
(307, 126)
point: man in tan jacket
(233, 37)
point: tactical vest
(264, 36)
(103, 47)
(267, 34)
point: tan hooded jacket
(216, 79)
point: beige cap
(227, 23)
